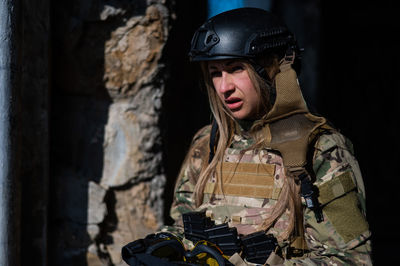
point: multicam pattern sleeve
(343, 237)
(188, 175)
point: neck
(245, 124)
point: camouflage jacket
(343, 236)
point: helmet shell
(240, 33)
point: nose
(227, 83)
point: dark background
(353, 81)
(359, 93)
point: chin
(240, 116)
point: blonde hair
(289, 197)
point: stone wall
(106, 168)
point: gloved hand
(164, 249)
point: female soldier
(267, 163)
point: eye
(236, 69)
(215, 74)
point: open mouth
(233, 103)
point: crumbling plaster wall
(106, 164)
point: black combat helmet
(241, 33)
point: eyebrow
(227, 64)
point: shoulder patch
(336, 187)
(341, 206)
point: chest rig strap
(308, 192)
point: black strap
(213, 138)
(310, 195)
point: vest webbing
(245, 180)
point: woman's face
(235, 89)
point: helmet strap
(260, 70)
(289, 57)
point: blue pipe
(217, 6)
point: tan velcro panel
(245, 179)
(341, 205)
(336, 187)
